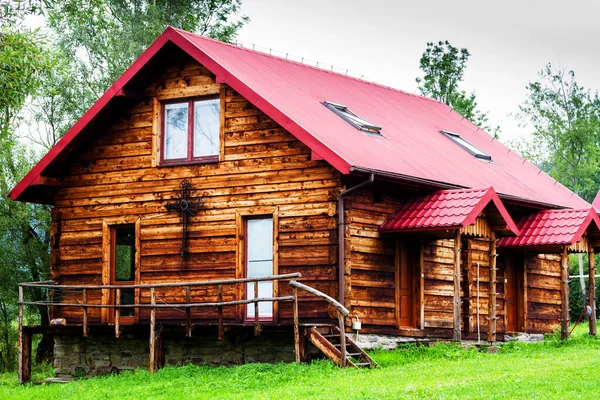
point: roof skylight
(353, 119)
(456, 138)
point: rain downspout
(478, 325)
(341, 235)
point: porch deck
(111, 307)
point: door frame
(517, 264)
(241, 216)
(107, 265)
(416, 281)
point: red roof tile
(410, 146)
(552, 228)
(445, 209)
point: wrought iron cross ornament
(186, 209)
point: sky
(509, 41)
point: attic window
(359, 123)
(456, 138)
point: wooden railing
(24, 348)
(342, 312)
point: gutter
(341, 235)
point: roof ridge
(310, 66)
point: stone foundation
(100, 353)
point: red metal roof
(291, 93)
(446, 209)
(552, 228)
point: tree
(565, 118)
(444, 66)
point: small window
(456, 138)
(191, 131)
(353, 119)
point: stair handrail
(341, 313)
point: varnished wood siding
(543, 292)
(262, 166)
(370, 260)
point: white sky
(509, 41)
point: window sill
(175, 163)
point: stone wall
(101, 352)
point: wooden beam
(422, 284)
(220, 311)
(592, 291)
(117, 311)
(564, 294)
(492, 291)
(456, 321)
(296, 329)
(188, 313)
(23, 362)
(152, 331)
(525, 285)
(85, 314)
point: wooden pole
(152, 331)
(342, 340)
(492, 291)
(422, 284)
(256, 326)
(592, 291)
(188, 313)
(85, 314)
(296, 330)
(564, 293)
(23, 378)
(456, 320)
(220, 312)
(117, 311)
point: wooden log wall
(370, 286)
(261, 165)
(543, 292)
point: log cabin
(233, 206)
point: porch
(149, 311)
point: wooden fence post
(220, 312)
(117, 311)
(492, 291)
(256, 326)
(152, 331)
(564, 294)
(188, 312)
(342, 340)
(85, 314)
(24, 346)
(457, 302)
(296, 328)
(592, 291)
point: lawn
(553, 369)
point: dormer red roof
(448, 209)
(410, 146)
(553, 228)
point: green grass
(553, 369)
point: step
(362, 364)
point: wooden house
(210, 176)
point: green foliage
(101, 38)
(550, 370)
(444, 66)
(566, 130)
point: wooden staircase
(329, 341)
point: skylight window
(456, 138)
(353, 119)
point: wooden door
(123, 268)
(406, 290)
(259, 262)
(513, 293)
